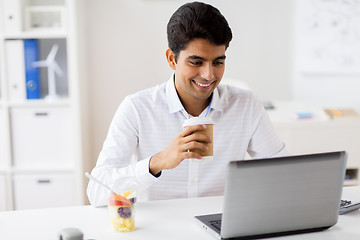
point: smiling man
(147, 147)
(198, 70)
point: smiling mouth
(202, 84)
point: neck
(196, 107)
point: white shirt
(146, 122)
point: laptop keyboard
(348, 206)
(344, 203)
(216, 224)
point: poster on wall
(327, 36)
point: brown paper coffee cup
(208, 155)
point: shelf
(40, 136)
(351, 177)
(54, 169)
(351, 183)
(45, 18)
(39, 34)
(62, 102)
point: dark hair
(197, 20)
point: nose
(207, 72)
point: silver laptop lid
(282, 194)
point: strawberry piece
(118, 200)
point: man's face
(199, 70)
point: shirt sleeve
(117, 165)
(264, 142)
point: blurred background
(299, 57)
(125, 44)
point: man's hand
(177, 150)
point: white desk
(170, 219)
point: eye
(195, 63)
(218, 63)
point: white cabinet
(41, 152)
(334, 135)
(319, 134)
(3, 205)
(43, 190)
(42, 136)
(2, 137)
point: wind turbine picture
(52, 69)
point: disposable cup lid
(197, 121)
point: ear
(170, 57)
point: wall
(126, 42)
(327, 52)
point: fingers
(198, 137)
(191, 139)
(188, 155)
(191, 134)
(191, 129)
(195, 145)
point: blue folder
(32, 76)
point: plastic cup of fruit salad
(122, 211)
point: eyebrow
(195, 57)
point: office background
(297, 54)
(125, 43)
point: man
(147, 147)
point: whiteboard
(327, 36)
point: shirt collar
(173, 100)
(216, 103)
(175, 104)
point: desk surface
(167, 219)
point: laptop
(279, 196)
